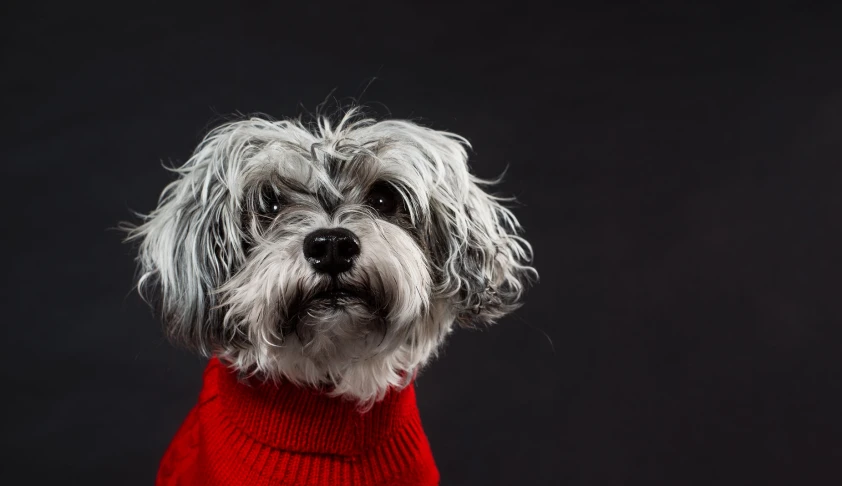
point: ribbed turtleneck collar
(299, 419)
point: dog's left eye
(383, 199)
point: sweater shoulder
(182, 454)
(182, 451)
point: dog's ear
(192, 242)
(481, 262)
(488, 258)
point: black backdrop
(678, 172)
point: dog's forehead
(318, 173)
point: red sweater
(259, 433)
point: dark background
(678, 171)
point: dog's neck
(307, 420)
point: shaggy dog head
(336, 256)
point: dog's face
(339, 256)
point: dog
(320, 266)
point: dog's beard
(360, 331)
(339, 320)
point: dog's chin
(335, 325)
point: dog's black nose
(331, 250)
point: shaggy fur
(223, 250)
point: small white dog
(334, 258)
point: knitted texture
(255, 433)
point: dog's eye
(270, 202)
(383, 199)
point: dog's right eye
(270, 203)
